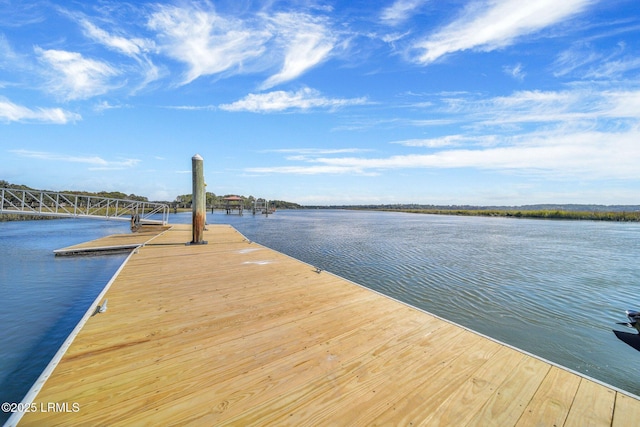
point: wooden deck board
(593, 405)
(123, 241)
(552, 400)
(232, 333)
(626, 409)
(507, 403)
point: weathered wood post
(198, 202)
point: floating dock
(233, 333)
(116, 243)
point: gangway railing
(48, 203)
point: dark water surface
(552, 288)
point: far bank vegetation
(217, 202)
(539, 214)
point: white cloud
(309, 170)
(579, 106)
(391, 38)
(572, 59)
(306, 42)
(489, 25)
(317, 151)
(74, 77)
(96, 163)
(400, 11)
(11, 112)
(448, 141)
(127, 46)
(580, 133)
(308, 154)
(134, 47)
(104, 106)
(193, 107)
(211, 44)
(613, 69)
(7, 55)
(303, 99)
(206, 42)
(582, 155)
(584, 61)
(515, 71)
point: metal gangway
(49, 203)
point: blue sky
(497, 102)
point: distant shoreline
(25, 217)
(621, 216)
(632, 215)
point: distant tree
(137, 198)
(184, 200)
(212, 199)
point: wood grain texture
(233, 333)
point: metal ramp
(48, 203)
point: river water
(552, 288)
(42, 297)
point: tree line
(215, 201)
(106, 194)
(594, 215)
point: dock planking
(114, 243)
(233, 333)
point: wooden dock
(115, 243)
(233, 333)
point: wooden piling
(198, 200)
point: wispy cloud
(400, 11)
(11, 112)
(572, 59)
(303, 99)
(128, 46)
(311, 157)
(309, 154)
(585, 155)
(104, 106)
(317, 151)
(192, 107)
(487, 26)
(306, 42)
(587, 62)
(586, 106)
(448, 141)
(516, 71)
(206, 42)
(95, 162)
(578, 133)
(72, 76)
(7, 55)
(210, 43)
(310, 170)
(136, 48)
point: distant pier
(233, 333)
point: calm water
(552, 288)
(42, 297)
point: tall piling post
(199, 200)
